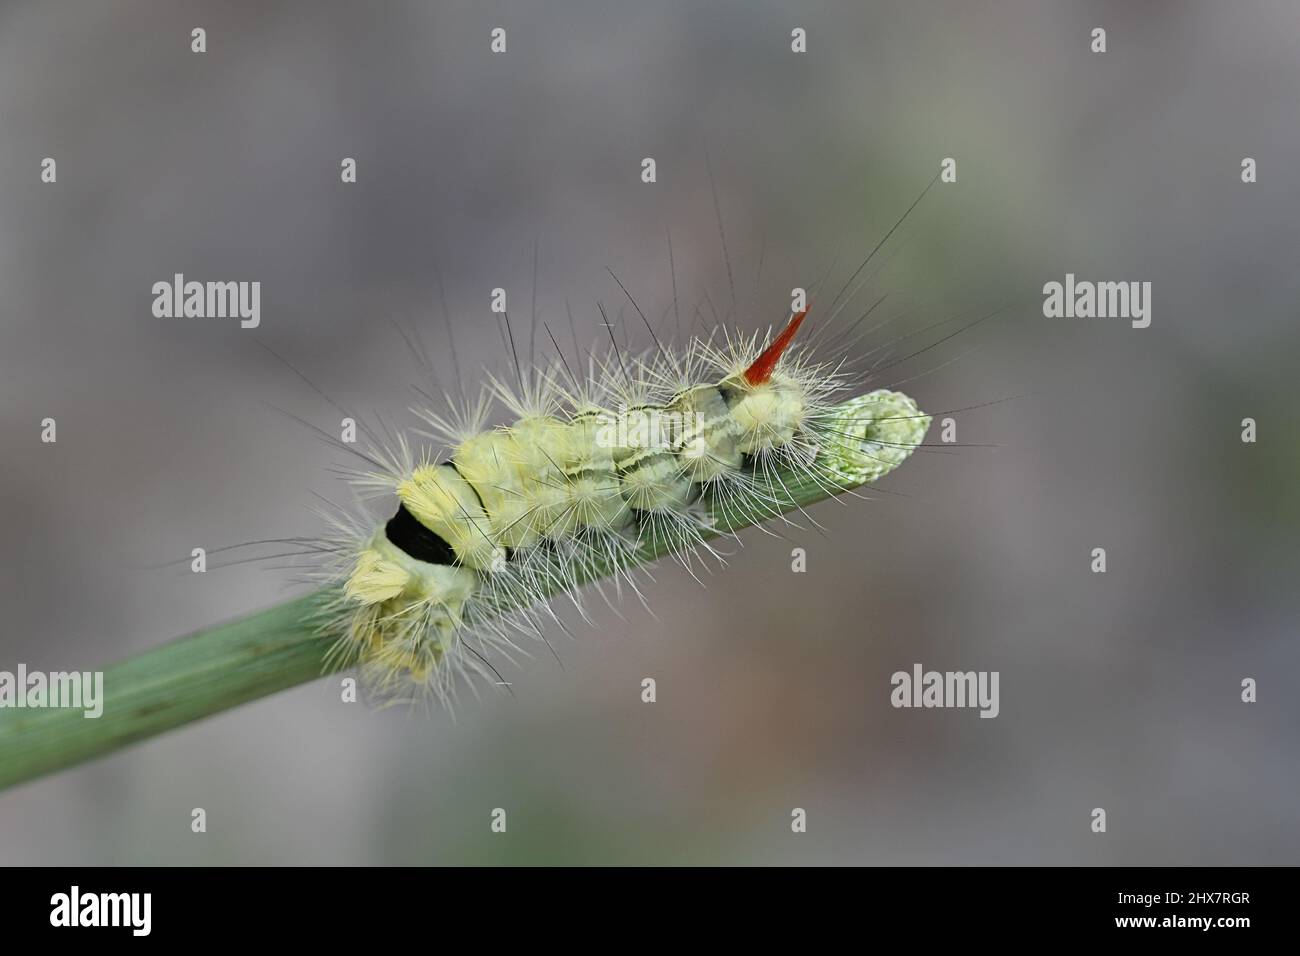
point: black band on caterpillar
(416, 540)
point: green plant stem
(181, 681)
(221, 667)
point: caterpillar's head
(871, 435)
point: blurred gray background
(1118, 690)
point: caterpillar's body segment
(586, 479)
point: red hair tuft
(761, 370)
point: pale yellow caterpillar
(589, 470)
(599, 469)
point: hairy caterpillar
(660, 451)
(599, 471)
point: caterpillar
(642, 454)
